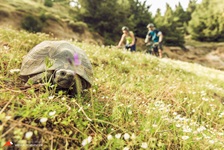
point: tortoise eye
(62, 73)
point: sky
(155, 4)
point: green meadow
(137, 101)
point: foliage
(139, 17)
(190, 9)
(48, 3)
(107, 17)
(32, 23)
(4, 13)
(171, 25)
(206, 23)
(136, 102)
(79, 26)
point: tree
(104, 17)
(107, 17)
(139, 17)
(207, 21)
(171, 25)
(190, 9)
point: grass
(137, 101)
(37, 7)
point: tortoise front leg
(40, 78)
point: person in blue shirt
(154, 36)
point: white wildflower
(52, 113)
(130, 112)
(207, 137)
(185, 137)
(198, 138)
(144, 145)
(12, 71)
(6, 47)
(177, 117)
(86, 141)
(109, 137)
(126, 148)
(203, 93)
(221, 115)
(63, 98)
(51, 97)
(154, 125)
(220, 134)
(133, 136)
(211, 141)
(126, 136)
(52, 86)
(118, 135)
(204, 99)
(174, 113)
(194, 93)
(43, 120)
(178, 125)
(187, 129)
(201, 128)
(8, 117)
(28, 135)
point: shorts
(160, 46)
(132, 48)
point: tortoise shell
(61, 55)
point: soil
(206, 54)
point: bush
(48, 3)
(43, 17)
(79, 26)
(32, 24)
(4, 13)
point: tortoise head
(64, 78)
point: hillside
(54, 22)
(64, 26)
(137, 101)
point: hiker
(130, 39)
(154, 36)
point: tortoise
(60, 63)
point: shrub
(79, 26)
(32, 24)
(48, 3)
(43, 17)
(4, 13)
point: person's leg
(160, 53)
(160, 50)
